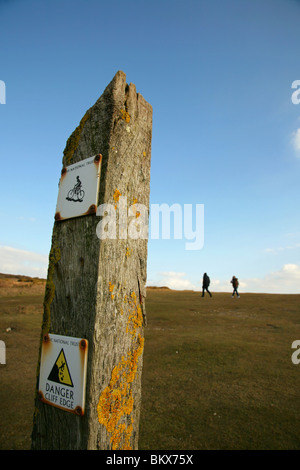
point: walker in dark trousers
(205, 284)
(235, 284)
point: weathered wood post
(95, 291)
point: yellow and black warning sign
(62, 378)
(60, 372)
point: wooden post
(96, 286)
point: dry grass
(217, 372)
(20, 314)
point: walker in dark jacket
(235, 284)
(205, 284)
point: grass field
(217, 371)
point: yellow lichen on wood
(135, 318)
(54, 257)
(116, 400)
(125, 115)
(111, 289)
(134, 209)
(73, 140)
(116, 197)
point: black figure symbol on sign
(76, 194)
(60, 371)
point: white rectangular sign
(63, 372)
(79, 189)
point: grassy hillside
(217, 371)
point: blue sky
(218, 74)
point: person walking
(235, 284)
(205, 284)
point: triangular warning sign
(60, 371)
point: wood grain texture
(96, 288)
